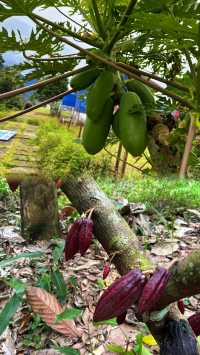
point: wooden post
(188, 148)
(118, 159)
(125, 158)
(39, 209)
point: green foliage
(9, 80)
(50, 90)
(156, 192)
(4, 188)
(9, 310)
(61, 154)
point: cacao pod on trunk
(181, 306)
(119, 296)
(72, 240)
(85, 235)
(153, 290)
(121, 318)
(178, 339)
(106, 271)
(194, 321)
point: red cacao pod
(194, 321)
(106, 271)
(85, 235)
(121, 318)
(181, 306)
(13, 185)
(153, 290)
(72, 240)
(119, 296)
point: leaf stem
(122, 23)
(41, 84)
(98, 19)
(43, 103)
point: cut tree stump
(39, 209)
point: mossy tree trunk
(39, 209)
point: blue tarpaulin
(76, 100)
(69, 100)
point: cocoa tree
(162, 36)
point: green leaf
(67, 350)
(11, 260)
(9, 310)
(73, 281)
(44, 282)
(18, 285)
(68, 314)
(61, 289)
(142, 350)
(119, 349)
(58, 252)
(112, 322)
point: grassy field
(157, 192)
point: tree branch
(70, 19)
(191, 65)
(41, 84)
(67, 31)
(52, 59)
(112, 64)
(122, 23)
(52, 99)
(98, 19)
(156, 77)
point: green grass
(155, 192)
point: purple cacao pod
(181, 306)
(121, 318)
(72, 240)
(153, 290)
(106, 271)
(85, 235)
(194, 322)
(119, 296)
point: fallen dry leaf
(47, 306)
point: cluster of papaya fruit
(117, 103)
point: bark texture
(39, 209)
(111, 229)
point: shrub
(61, 153)
(4, 188)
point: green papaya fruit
(99, 94)
(95, 133)
(132, 124)
(143, 92)
(115, 124)
(83, 80)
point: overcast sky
(25, 26)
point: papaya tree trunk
(118, 158)
(120, 242)
(39, 209)
(188, 148)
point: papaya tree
(124, 38)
